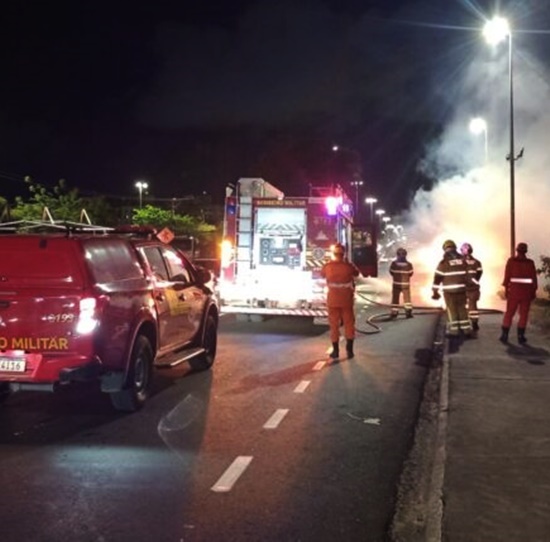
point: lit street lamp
(495, 31)
(371, 201)
(141, 186)
(379, 213)
(478, 126)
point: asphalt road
(272, 444)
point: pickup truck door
(192, 297)
(169, 301)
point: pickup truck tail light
(88, 315)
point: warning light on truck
(332, 203)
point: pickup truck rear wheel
(209, 343)
(138, 381)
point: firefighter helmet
(401, 252)
(522, 247)
(466, 249)
(338, 248)
(449, 244)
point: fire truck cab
(274, 247)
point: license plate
(12, 365)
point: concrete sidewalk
(495, 445)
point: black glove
(436, 295)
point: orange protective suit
(340, 275)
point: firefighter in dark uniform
(475, 270)
(520, 286)
(340, 275)
(451, 276)
(401, 271)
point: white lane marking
(319, 365)
(232, 474)
(301, 387)
(276, 418)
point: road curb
(419, 504)
(434, 523)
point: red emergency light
(332, 203)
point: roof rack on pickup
(48, 224)
(41, 226)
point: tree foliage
(63, 203)
(179, 224)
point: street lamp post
(478, 126)
(495, 31)
(355, 164)
(379, 213)
(356, 184)
(386, 220)
(371, 201)
(141, 186)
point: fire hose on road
(387, 317)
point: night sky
(191, 96)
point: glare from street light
(380, 212)
(478, 126)
(141, 186)
(371, 201)
(496, 30)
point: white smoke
(474, 205)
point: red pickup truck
(80, 304)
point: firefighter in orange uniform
(520, 285)
(452, 277)
(339, 274)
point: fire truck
(274, 247)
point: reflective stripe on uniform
(450, 273)
(522, 281)
(451, 286)
(340, 284)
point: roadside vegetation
(63, 203)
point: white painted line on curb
(301, 387)
(276, 419)
(319, 365)
(232, 474)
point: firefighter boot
(408, 313)
(475, 325)
(521, 335)
(504, 335)
(335, 354)
(349, 348)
